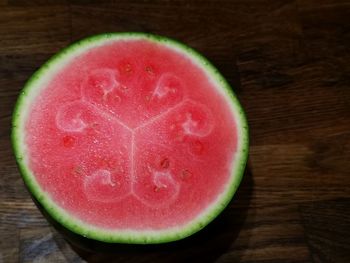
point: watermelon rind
(37, 82)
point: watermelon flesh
(131, 135)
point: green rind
(132, 237)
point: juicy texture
(132, 135)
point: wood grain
(288, 61)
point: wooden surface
(288, 61)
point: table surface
(289, 63)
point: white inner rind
(39, 81)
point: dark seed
(185, 174)
(165, 163)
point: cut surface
(130, 138)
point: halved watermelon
(130, 138)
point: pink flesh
(132, 135)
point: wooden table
(289, 63)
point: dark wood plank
(21, 3)
(327, 225)
(34, 30)
(294, 84)
(9, 249)
(270, 234)
(45, 245)
(11, 185)
(296, 173)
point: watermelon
(130, 138)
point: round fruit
(130, 138)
